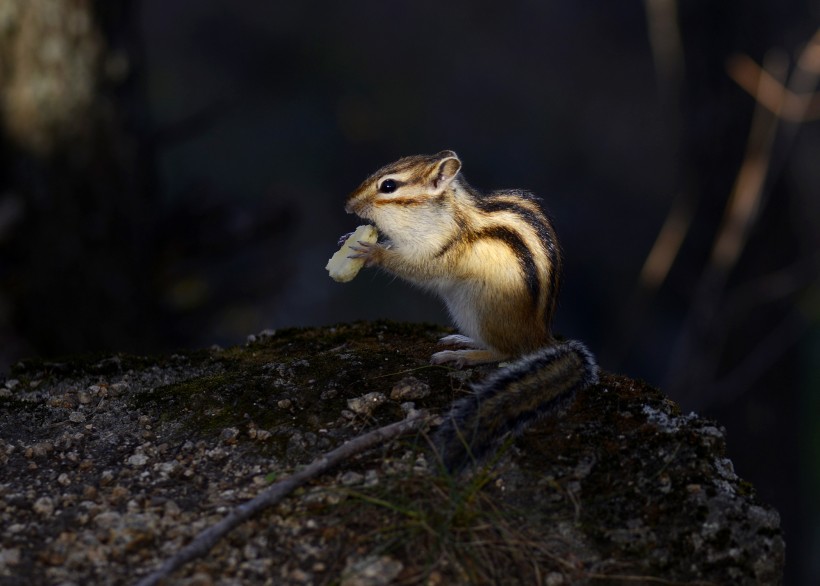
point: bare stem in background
(666, 45)
(695, 359)
(795, 103)
(667, 53)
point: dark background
(172, 174)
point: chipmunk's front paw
(370, 252)
(344, 266)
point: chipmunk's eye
(388, 186)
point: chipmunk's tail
(509, 400)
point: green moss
(299, 379)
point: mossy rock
(111, 463)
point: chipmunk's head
(411, 183)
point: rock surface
(111, 464)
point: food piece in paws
(343, 269)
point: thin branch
(275, 493)
(775, 95)
(691, 356)
(773, 286)
(696, 357)
(779, 341)
(667, 245)
(667, 51)
(796, 103)
(739, 304)
(744, 203)
(667, 47)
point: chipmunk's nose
(353, 206)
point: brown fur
(496, 262)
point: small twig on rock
(209, 537)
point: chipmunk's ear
(445, 170)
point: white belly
(461, 304)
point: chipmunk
(495, 261)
